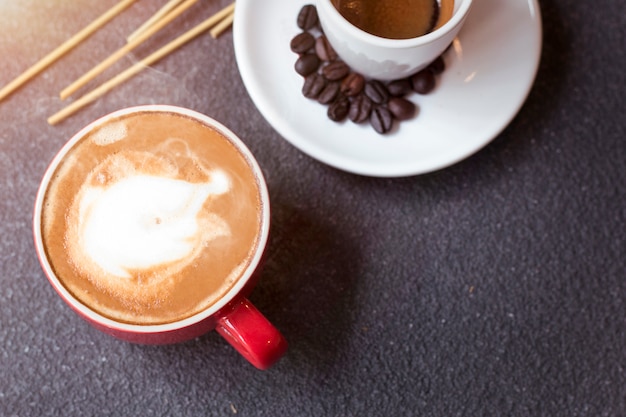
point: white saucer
(489, 73)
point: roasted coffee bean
(307, 18)
(437, 66)
(302, 42)
(360, 108)
(346, 93)
(329, 92)
(381, 119)
(339, 108)
(353, 84)
(423, 82)
(307, 64)
(313, 85)
(401, 108)
(376, 91)
(399, 87)
(336, 70)
(324, 49)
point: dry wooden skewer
(162, 12)
(139, 66)
(64, 48)
(223, 25)
(113, 58)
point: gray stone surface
(494, 287)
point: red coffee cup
(233, 316)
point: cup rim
(232, 293)
(366, 37)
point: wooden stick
(113, 58)
(170, 5)
(138, 67)
(64, 48)
(223, 25)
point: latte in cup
(151, 217)
(396, 19)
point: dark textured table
(494, 287)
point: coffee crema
(151, 217)
(396, 19)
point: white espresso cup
(384, 58)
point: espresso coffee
(396, 19)
(151, 217)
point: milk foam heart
(144, 221)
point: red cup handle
(251, 334)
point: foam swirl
(137, 224)
(143, 221)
